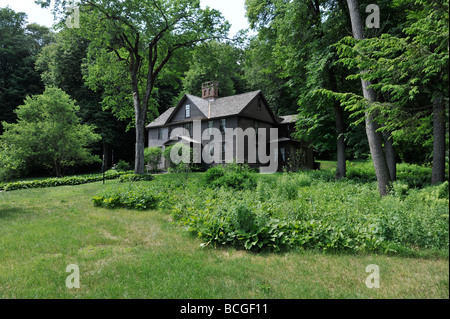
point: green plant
(234, 176)
(61, 181)
(152, 157)
(122, 166)
(135, 178)
(139, 198)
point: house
(210, 114)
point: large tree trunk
(439, 144)
(374, 137)
(139, 163)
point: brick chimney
(210, 90)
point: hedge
(62, 181)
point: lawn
(124, 253)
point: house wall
(153, 137)
(252, 110)
(180, 115)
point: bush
(135, 178)
(152, 157)
(234, 176)
(62, 181)
(122, 166)
(139, 198)
(213, 174)
(297, 210)
(11, 164)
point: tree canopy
(48, 133)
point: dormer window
(188, 110)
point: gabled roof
(222, 107)
(232, 105)
(162, 119)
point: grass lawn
(141, 254)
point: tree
(62, 64)
(373, 135)
(215, 61)
(144, 36)
(48, 133)
(409, 71)
(19, 44)
(298, 35)
(11, 163)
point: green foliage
(19, 44)
(135, 178)
(11, 163)
(61, 181)
(152, 157)
(315, 212)
(236, 176)
(49, 134)
(215, 61)
(122, 166)
(138, 198)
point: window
(188, 127)
(256, 127)
(210, 126)
(160, 134)
(223, 125)
(223, 151)
(188, 110)
(259, 105)
(283, 154)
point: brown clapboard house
(243, 110)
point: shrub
(399, 189)
(283, 212)
(135, 178)
(152, 157)
(234, 176)
(139, 198)
(11, 164)
(213, 174)
(122, 166)
(61, 181)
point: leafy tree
(11, 164)
(48, 133)
(410, 72)
(299, 34)
(19, 44)
(62, 64)
(215, 61)
(137, 39)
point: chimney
(210, 91)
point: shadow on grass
(11, 212)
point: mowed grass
(142, 254)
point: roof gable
(219, 108)
(197, 109)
